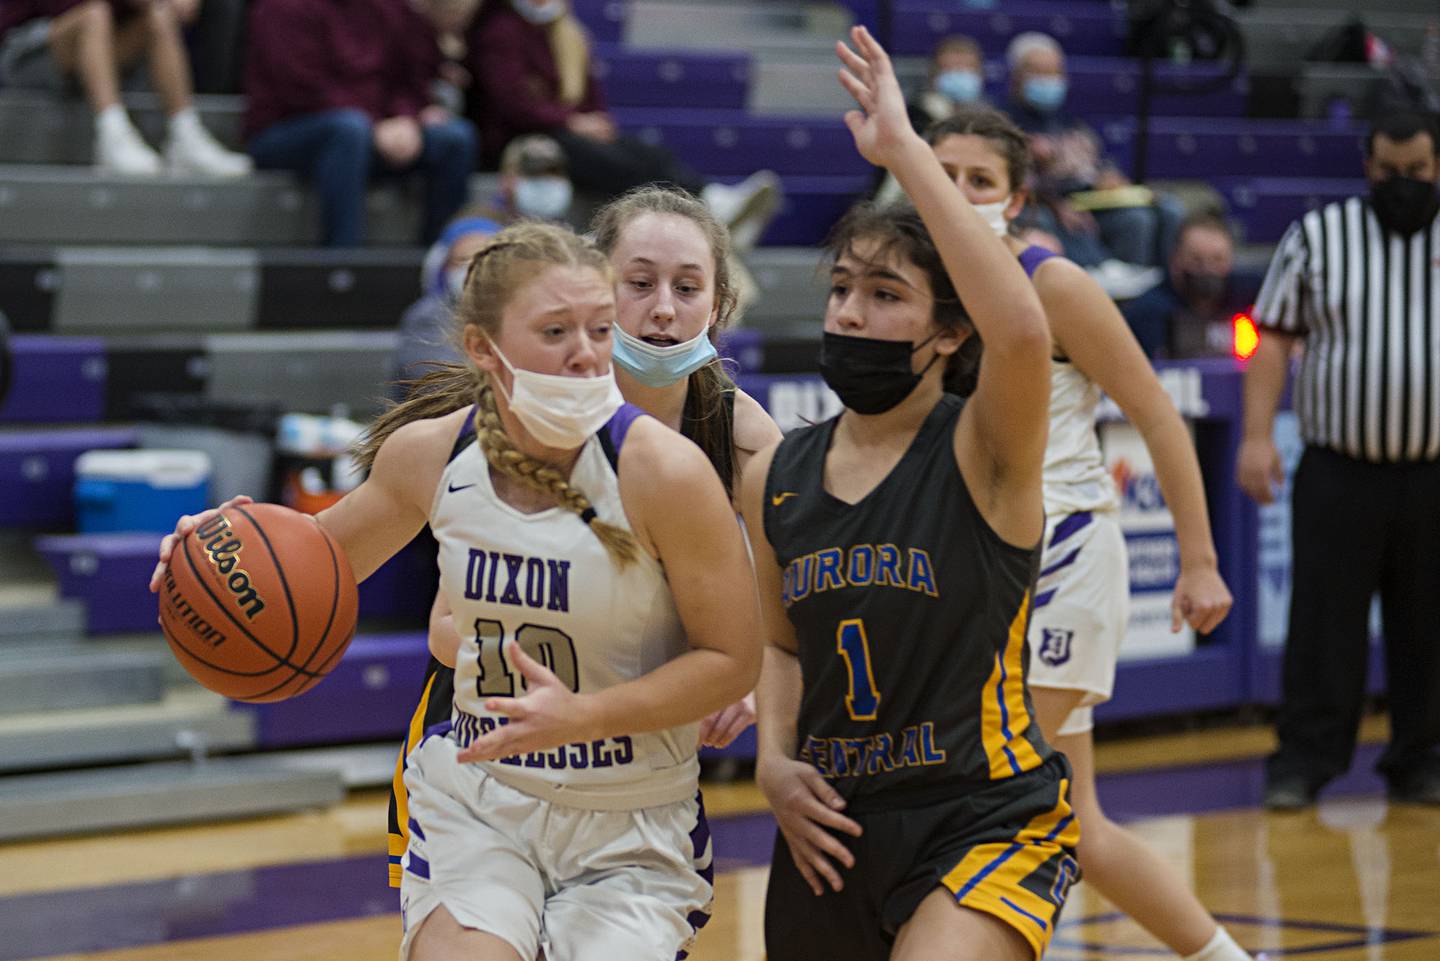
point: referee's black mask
(1404, 204)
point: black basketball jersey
(911, 615)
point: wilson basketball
(258, 603)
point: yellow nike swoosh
(779, 499)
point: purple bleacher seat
(367, 697)
(673, 78)
(728, 143)
(110, 574)
(605, 19)
(1218, 147)
(37, 472)
(1268, 205)
(1082, 29)
(57, 380)
(811, 207)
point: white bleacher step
(186, 720)
(57, 205)
(29, 623)
(147, 795)
(33, 681)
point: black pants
(1357, 528)
(613, 168)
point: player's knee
(161, 19)
(96, 16)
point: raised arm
(1009, 412)
(1091, 332)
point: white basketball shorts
(580, 885)
(1082, 604)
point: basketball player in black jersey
(922, 815)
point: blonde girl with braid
(556, 813)
(673, 296)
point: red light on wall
(1246, 337)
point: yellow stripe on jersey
(1004, 717)
(399, 836)
(988, 879)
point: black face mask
(870, 376)
(1198, 287)
(1404, 204)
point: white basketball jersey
(545, 581)
(1075, 478)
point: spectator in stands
(956, 78)
(1355, 282)
(54, 45)
(534, 181)
(425, 340)
(1190, 312)
(533, 74)
(1079, 195)
(341, 93)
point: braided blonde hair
(511, 259)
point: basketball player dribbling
(673, 292)
(922, 815)
(599, 622)
(1082, 595)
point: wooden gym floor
(1353, 880)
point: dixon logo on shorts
(1055, 645)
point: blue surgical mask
(661, 366)
(538, 13)
(1045, 94)
(545, 198)
(961, 86)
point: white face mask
(546, 198)
(560, 412)
(994, 215)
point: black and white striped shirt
(1367, 303)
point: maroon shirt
(15, 12)
(308, 56)
(516, 87)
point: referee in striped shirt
(1358, 283)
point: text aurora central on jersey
(863, 565)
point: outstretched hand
(882, 125)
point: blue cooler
(138, 490)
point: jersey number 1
(863, 701)
(552, 648)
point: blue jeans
(1136, 235)
(335, 151)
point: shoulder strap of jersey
(1032, 257)
(617, 428)
(466, 436)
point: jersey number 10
(551, 647)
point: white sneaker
(119, 149)
(745, 208)
(192, 150)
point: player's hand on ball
(1201, 599)
(183, 526)
(548, 715)
(724, 726)
(805, 805)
